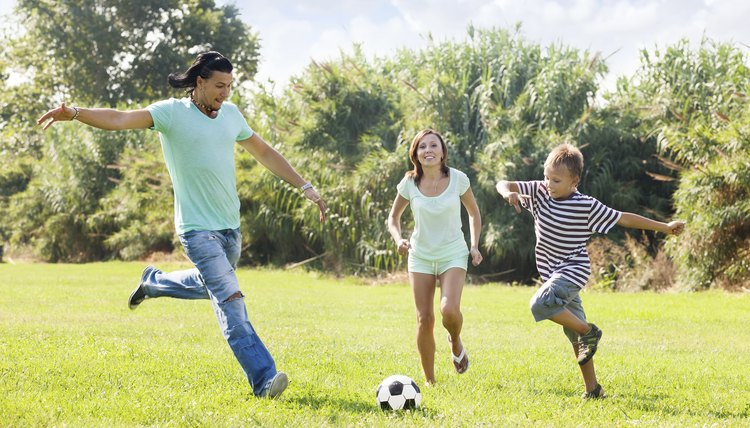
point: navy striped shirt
(562, 230)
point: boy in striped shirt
(564, 219)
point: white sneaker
(275, 386)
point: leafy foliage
(113, 51)
(336, 124)
(64, 190)
(671, 134)
(686, 94)
(99, 53)
(695, 102)
(139, 209)
(715, 201)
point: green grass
(71, 353)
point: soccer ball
(398, 392)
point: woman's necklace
(435, 185)
(211, 113)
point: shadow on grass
(353, 406)
(317, 403)
(552, 389)
(651, 405)
(657, 403)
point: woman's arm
(394, 224)
(475, 224)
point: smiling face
(559, 181)
(427, 150)
(430, 151)
(213, 91)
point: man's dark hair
(205, 64)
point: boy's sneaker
(139, 294)
(597, 392)
(587, 344)
(275, 386)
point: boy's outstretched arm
(509, 191)
(636, 221)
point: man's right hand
(58, 114)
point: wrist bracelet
(78, 111)
(305, 187)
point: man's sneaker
(139, 294)
(597, 392)
(275, 386)
(587, 344)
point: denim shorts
(436, 267)
(555, 295)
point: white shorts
(436, 267)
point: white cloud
(329, 42)
(6, 6)
(618, 29)
(442, 18)
(393, 34)
(293, 32)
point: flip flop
(460, 361)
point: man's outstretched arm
(102, 118)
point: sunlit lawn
(72, 354)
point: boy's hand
(675, 227)
(514, 199)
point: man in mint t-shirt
(198, 135)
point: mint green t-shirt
(199, 153)
(437, 234)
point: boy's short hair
(568, 156)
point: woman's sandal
(460, 361)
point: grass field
(72, 354)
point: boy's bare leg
(567, 319)
(588, 372)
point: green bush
(715, 202)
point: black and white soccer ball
(398, 392)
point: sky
(294, 32)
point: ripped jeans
(215, 255)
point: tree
(693, 102)
(714, 199)
(110, 53)
(496, 98)
(106, 52)
(686, 95)
(338, 122)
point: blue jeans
(215, 255)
